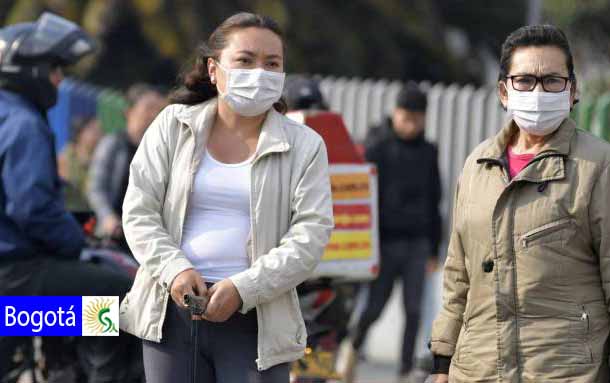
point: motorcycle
(327, 306)
(56, 359)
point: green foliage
(149, 40)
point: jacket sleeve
(446, 327)
(372, 150)
(435, 233)
(301, 248)
(100, 179)
(33, 193)
(148, 238)
(599, 216)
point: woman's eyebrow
(246, 52)
(272, 56)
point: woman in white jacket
(230, 200)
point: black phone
(196, 304)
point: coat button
(488, 266)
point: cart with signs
(351, 256)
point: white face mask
(538, 113)
(251, 92)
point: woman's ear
(503, 93)
(212, 70)
(573, 93)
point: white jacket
(291, 222)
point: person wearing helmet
(302, 93)
(40, 242)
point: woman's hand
(224, 301)
(187, 282)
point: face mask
(538, 113)
(251, 92)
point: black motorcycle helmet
(30, 51)
(303, 93)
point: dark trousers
(404, 259)
(105, 359)
(226, 351)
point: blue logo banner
(41, 316)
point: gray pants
(227, 351)
(404, 260)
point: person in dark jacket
(410, 223)
(109, 172)
(40, 242)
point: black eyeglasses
(528, 82)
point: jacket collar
(200, 119)
(548, 164)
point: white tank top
(217, 223)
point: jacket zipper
(544, 230)
(252, 195)
(251, 256)
(190, 180)
(584, 317)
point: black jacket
(409, 185)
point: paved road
(370, 372)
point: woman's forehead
(259, 41)
(539, 60)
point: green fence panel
(111, 106)
(604, 126)
(583, 113)
(601, 117)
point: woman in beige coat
(527, 276)
(230, 200)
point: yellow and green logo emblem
(100, 316)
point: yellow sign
(347, 186)
(348, 245)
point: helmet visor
(56, 38)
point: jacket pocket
(283, 329)
(582, 334)
(546, 233)
(463, 357)
(556, 334)
(301, 334)
(459, 347)
(597, 328)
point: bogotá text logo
(101, 316)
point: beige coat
(291, 221)
(541, 313)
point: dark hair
(136, 91)
(196, 86)
(412, 98)
(535, 35)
